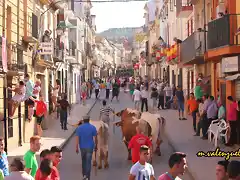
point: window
(209, 14)
(19, 56)
(72, 5)
(10, 121)
(166, 11)
(76, 83)
(10, 128)
(34, 25)
(189, 27)
(49, 20)
(171, 2)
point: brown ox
(102, 152)
(130, 119)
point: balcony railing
(16, 66)
(193, 2)
(88, 49)
(58, 55)
(72, 48)
(183, 8)
(192, 49)
(223, 31)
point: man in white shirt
(144, 97)
(96, 86)
(168, 93)
(142, 170)
(137, 98)
(17, 171)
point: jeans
(63, 118)
(161, 102)
(168, 103)
(86, 162)
(154, 99)
(194, 116)
(205, 125)
(233, 133)
(107, 93)
(144, 103)
(96, 93)
(199, 126)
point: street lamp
(59, 31)
(62, 26)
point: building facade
(107, 55)
(49, 41)
(223, 48)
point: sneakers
(85, 178)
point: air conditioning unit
(220, 10)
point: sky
(118, 15)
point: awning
(233, 77)
(65, 24)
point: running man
(105, 113)
(86, 140)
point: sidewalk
(180, 135)
(54, 135)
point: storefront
(230, 69)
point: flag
(4, 54)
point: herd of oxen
(152, 124)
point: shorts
(181, 106)
(84, 95)
(30, 102)
(39, 119)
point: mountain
(121, 35)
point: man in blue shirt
(180, 98)
(3, 159)
(29, 93)
(85, 136)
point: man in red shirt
(56, 156)
(136, 142)
(41, 110)
(46, 169)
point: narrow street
(70, 167)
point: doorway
(173, 78)
(223, 93)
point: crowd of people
(203, 109)
(28, 168)
(29, 92)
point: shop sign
(46, 48)
(230, 64)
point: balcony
(193, 2)
(223, 32)
(33, 38)
(192, 49)
(72, 55)
(88, 49)
(96, 62)
(16, 66)
(58, 55)
(84, 61)
(183, 8)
